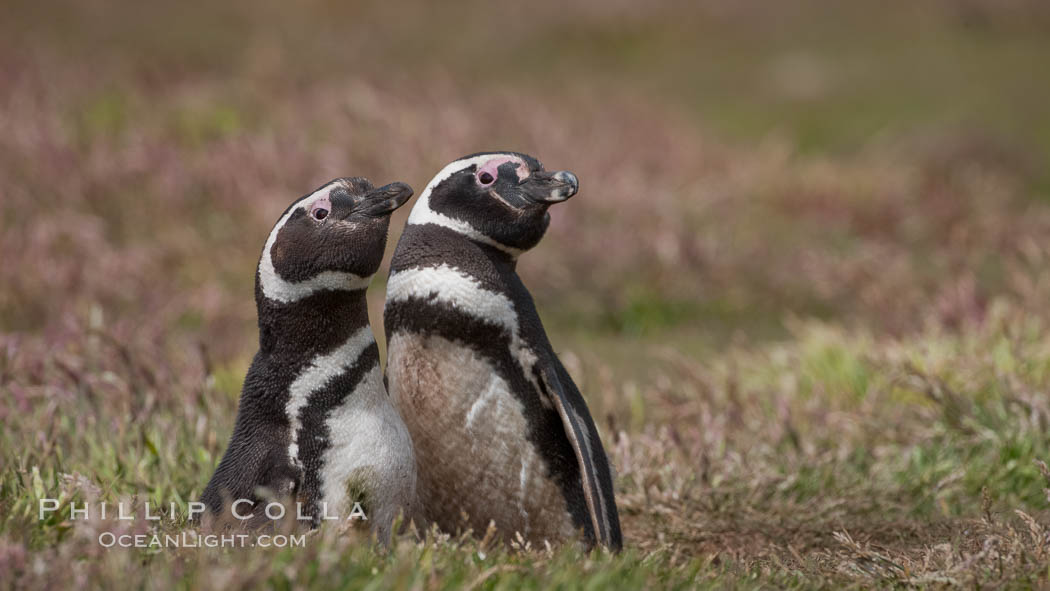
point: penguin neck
(502, 259)
(298, 331)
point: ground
(803, 287)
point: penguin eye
(486, 178)
(319, 213)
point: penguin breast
(469, 431)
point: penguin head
(330, 239)
(497, 198)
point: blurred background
(742, 164)
(804, 285)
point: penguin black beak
(550, 187)
(384, 200)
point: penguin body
(314, 423)
(501, 433)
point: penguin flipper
(594, 465)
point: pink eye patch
(320, 208)
(489, 172)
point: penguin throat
(500, 258)
(299, 330)
(281, 290)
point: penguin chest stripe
(314, 376)
(450, 287)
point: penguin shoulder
(432, 246)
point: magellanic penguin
(501, 432)
(314, 422)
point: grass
(832, 459)
(803, 287)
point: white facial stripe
(450, 286)
(281, 290)
(314, 377)
(423, 214)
